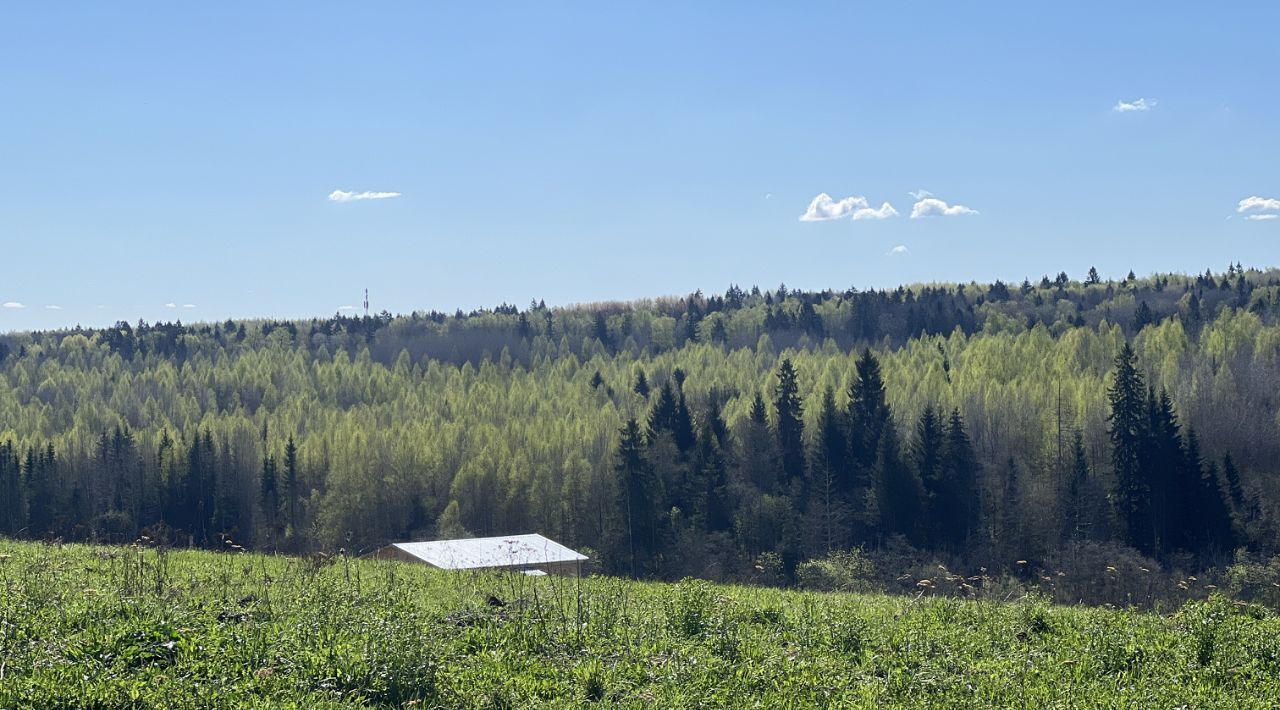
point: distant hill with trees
(731, 436)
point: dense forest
(728, 436)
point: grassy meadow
(94, 627)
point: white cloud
(1258, 204)
(885, 211)
(346, 308)
(920, 194)
(13, 304)
(900, 249)
(768, 195)
(933, 207)
(53, 307)
(1262, 217)
(1139, 105)
(824, 208)
(188, 305)
(170, 305)
(344, 196)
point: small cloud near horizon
(344, 196)
(1262, 217)
(13, 304)
(53, 307)
(933, 207)
(1138, 105)
(920, 194)
(346, 308)
(900, 249)
(171, 305)
(188, 305)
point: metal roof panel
(485, 552)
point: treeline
(738, 318)
(686, 487)
(183, 493)
(692, 496)
(991, 437)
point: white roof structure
(489, 552)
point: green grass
(116, 627)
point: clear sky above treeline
(162, 160)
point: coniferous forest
(755, 435)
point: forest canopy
(711, 435)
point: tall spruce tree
(1245, 510)
(713, 419)
(868, 417)
(714, 506)
(637, 515)
(1143, 317)
(291, 484)
(1206, 516)
(1167, 479)
(1076, 495)
(927, 456)
(642, 384)
(202, 469)
(1127, 427)
(41, 489)
(790, 423)
(895, 499)
(601, 331)
(1232, 476)
(13, 514)
(228, 511)
(270, 494)
(662, 415)
(759, 450)
(826, 507)
(1009, 533)
(682, 421)
(956, 505)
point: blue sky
(153, 154)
